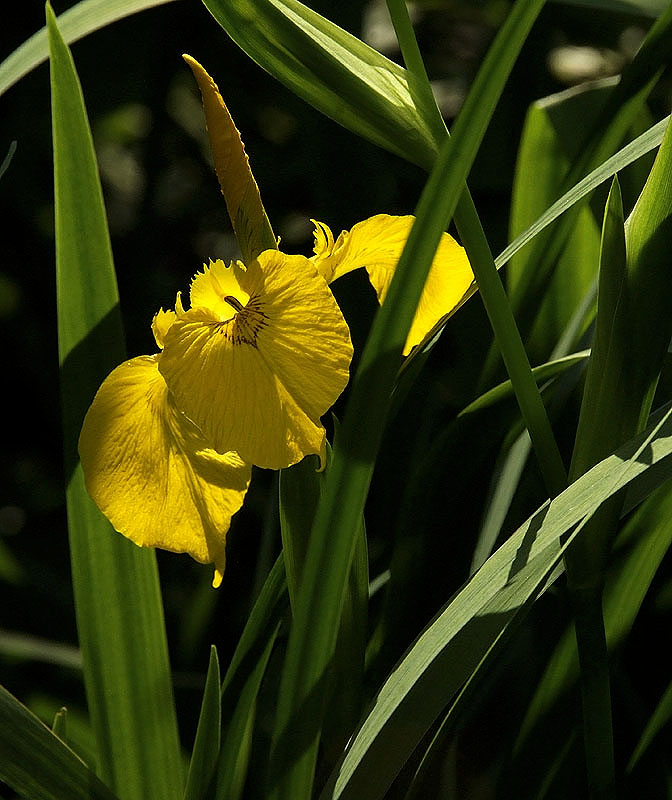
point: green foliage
(36, 763)
(117, 598)
(440, 607)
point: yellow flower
(376, 244)
(260, 356)
(149, 468)
(244, 374)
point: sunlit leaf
(117, 597)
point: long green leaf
(451, 647)
(117, 596)
(637, 148)
(243, 677)
(615, 118)
(205, 751)
(83, 18)
(549, 141)
(36, 764)
(660, 717)
(336, 73)
(301, 487)
(638, 552)
(238, 728)
(626, 358)
(330, 551)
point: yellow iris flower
(149, 468)
(244, 375)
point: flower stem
(490, 287)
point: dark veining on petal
(247, 322)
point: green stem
(511, 346)
(492, 290)
(595, 690)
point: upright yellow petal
(150, 471)
(258, 383)
(376, 244)
(160, 324)
(243, 201)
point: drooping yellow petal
(150, 471)
(258, 383)
(376, 244)
(243, 201)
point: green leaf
(549, 142)
(449, 650)
(637, 148)
(635, 288)
(335, 72)
(75, 23)
(638, 552)
(542, 373)
(23, 646)
(237, 735)
(660, 717)
(117, 596)
(7, 160)
(243, 678)
(301, 487)
(322, 589)
(205, 751)
(601, 423)
(619, 112)
(37, 764)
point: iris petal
(259, 383)
(376, 244)
(151, 472)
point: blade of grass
(470, 626)
(205, 751)
(116, 588)
(244, 672)
(23, 646)
(36, 763)
(301, 487)
(7, 160)
(660, 717)
(237, 734)
(75, 23)
(330, 551)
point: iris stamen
(233, 302)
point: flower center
(248, 320)
(234, 302)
